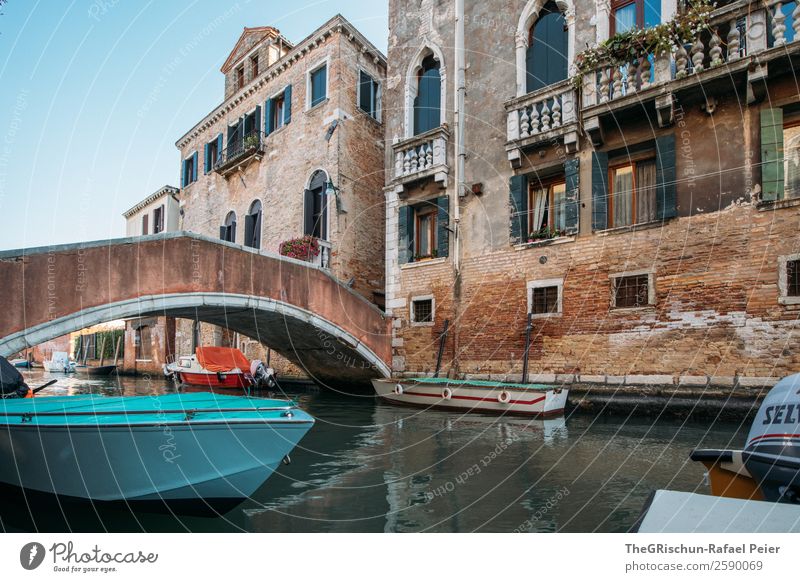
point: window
(145, 229)
(427, 104)
(546, 57)
(791, 160)
(278, 110)
(546, 205)
(252, 226)
(315, 207)
(629, 14)
(189, 173)
(143, 343)
(422, 310)
(425, 243)
(227, 231)
(632, 196)
(252, 122)
(369, 95)
(254, 66)
(213, 154)
(239, 77)
(158, 219)
(318, 85)
(544, 297)
(793, 278)
(632, 290)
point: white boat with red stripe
(474, 395)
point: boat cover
(216, 359)
(11, 380)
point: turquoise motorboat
(171, 448)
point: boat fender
(220, 377)
(398, 389)
(287, 460)
(504, 397)
(447, 394)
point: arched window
(546, 57)
(428, 102)
(252, 226)
(315, 210)
(227, 231)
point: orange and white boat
(216, 367)
(474, 395)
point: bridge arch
(297, 309)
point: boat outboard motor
(12, 384)
(262, 375)
(772, 454)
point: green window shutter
(257, 121)
(194, 167)
(599, 190)
(666, 187)
(772, 153)
(518, 199)
(183, 174)
(572, 195)
(405, 234)
(268, 116)
(206, 159)
(287, 105)
(442, 225)
(219, 148)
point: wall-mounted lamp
(332, 190)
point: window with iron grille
(793, 278)
(422, 311)
(544, 300)
(631, 291)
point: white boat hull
(466, 397)
(212, 461)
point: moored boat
(217, 367)
(768, 468)
(474, 395)
(59, 362)
(178, 447)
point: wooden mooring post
(442, 339)
(528, 327)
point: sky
(95, 93)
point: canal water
(371, 467)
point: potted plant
(251, 141)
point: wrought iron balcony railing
(239, 153)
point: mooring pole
(527, 349)
(442, 339)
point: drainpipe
(461, 90)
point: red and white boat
(215, 367)
(474, 395)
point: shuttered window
(368, 95)
(319, 85)
(189, 170)
(546, 59)
(427, 104)
(424, 230)
(772, 162)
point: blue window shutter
(183, 174)
(257, 122)
(442, 225)
(268, 116)
(219, 148)
(194, 167)
(572, 195)
(287, 105)
(599, 190)
(666, 195)
(206, 159)
(405, 230)
(318, 85)
(518, 199)
(772, 154)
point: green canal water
(371, 467)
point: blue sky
(94, 94)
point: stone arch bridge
(297, 309)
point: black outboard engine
(12, 384)
(772, 454)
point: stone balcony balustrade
(542, 116)
(421, 157)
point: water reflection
(372, 467)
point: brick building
(295, 149)
(643, 211)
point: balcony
(542, 116)
(731, 55)
(421, 157)
(323, 259)
(237, 155)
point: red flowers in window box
(304, 248)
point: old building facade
(644, 213)
(292, 158)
